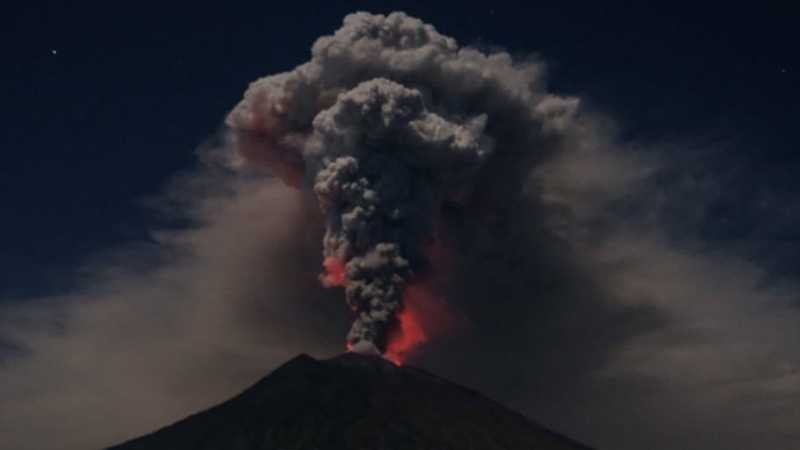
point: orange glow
(424, 316)
(335, 273)
(409, 335)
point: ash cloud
(390, 120)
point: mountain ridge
(354, 402)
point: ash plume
(389, 123)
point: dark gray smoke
(388, 122)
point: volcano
(354, 402)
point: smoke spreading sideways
(392, 124)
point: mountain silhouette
(354, 402)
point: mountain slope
(353, 402)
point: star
(53, 52)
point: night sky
(104, 104)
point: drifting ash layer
(354, 402)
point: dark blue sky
(103, 102)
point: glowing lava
(335, 273)
(424, 316)
(409, 335)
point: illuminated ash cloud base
(387, 122)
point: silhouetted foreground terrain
(354, 402)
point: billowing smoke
(392, 123)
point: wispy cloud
(210, 309)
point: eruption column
(388, 121)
